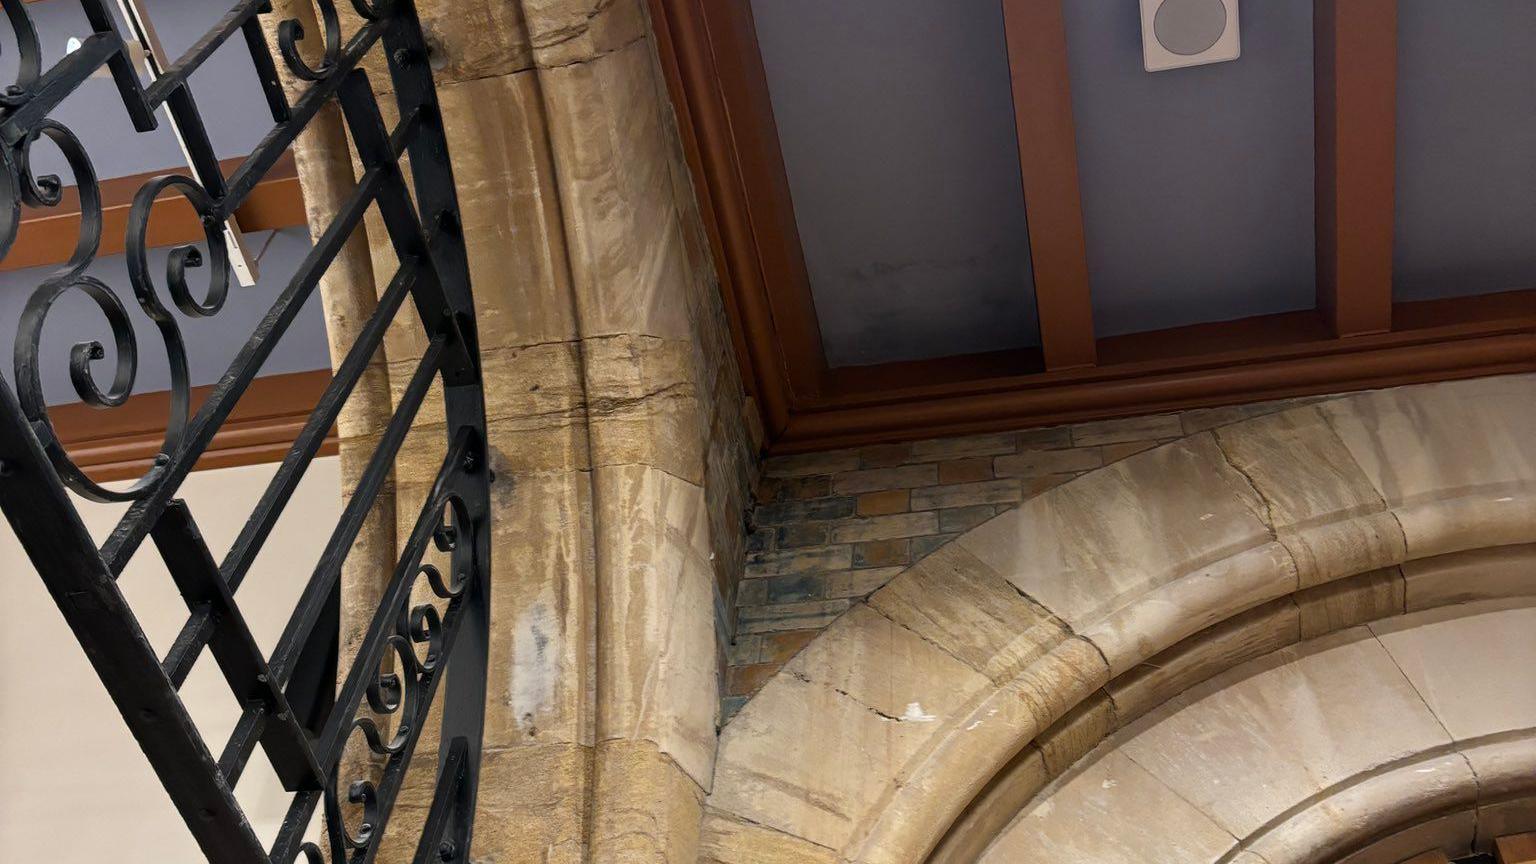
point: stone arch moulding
(1370, 745)
(933, 711)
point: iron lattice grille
(291, 703)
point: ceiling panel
(896, 123)
(1466, 148)
(1197, 183)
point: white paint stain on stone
(535, 667)
(915, 714)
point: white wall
(77, 788)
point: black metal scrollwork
(401, 666)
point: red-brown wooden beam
(1355, 83)
(1042, 110)
(48, 236)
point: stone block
(1177, 520)
(1038, 463)
(882, 553)
(884, 503)
(891, 527)
(1454, 461)
(955, 601)
(967, 494)
(1479, 574)
(1248, 717)
(860, 583)
(800, 536)
(968, 447)
(960, 519)
(1323, 508)
(1111, 784)
(1204, 655)
(885, 455)
(973, 470)
(646, 809)
(1444, 653)
(1348, 602)
(787, 562)
(790, 512)
(789, 616)
(795, 588)
(726, 840)
(879, 479)
(656, 610)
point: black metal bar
(135, 524)
(242, 554)
(439, 841)
(266, 70)
(179, 72)
(340, 544)
(50, 530)
(245, 669)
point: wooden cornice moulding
(1250, 360)
(47, 236)
(121, 443)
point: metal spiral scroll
(408, 646)
(21, 186)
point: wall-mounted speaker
(1177, 33)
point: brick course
(830, 528)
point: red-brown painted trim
(1042, 111)
(1267, 357)
(47, 237)
(1355, 98)
(121, 443)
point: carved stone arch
(1020, 646)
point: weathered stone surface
(1427, 843)
(960, 758)
(1444, 653)
(1453, 461)
(516, 820)
(956, 602)
(1320, 504)
(1480, 574)
(1348, 602)
(642, 405)
(1071, 737)
(1360, 812)
(631, 270)
(653, 810)
(1075, 820)
(815, 782)
(1250, 723)
(543, 573)
(569, 32)
(656, 660)
(991, 811)
(468, 40)
(1203, 656)
(726, 840)
(1177, 521)
(510, 209)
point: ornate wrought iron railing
(292, 705)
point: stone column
(617, 422)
